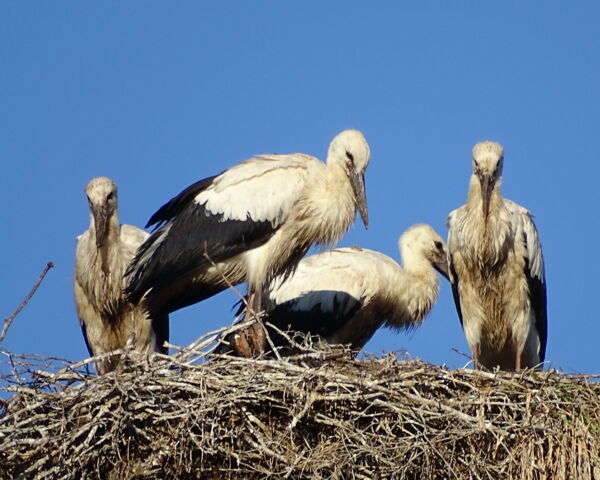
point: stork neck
(109, 249)
(113, 229)
(419, 269)
(475, 198)
(332, 203)
(487, 236)
(415, 290)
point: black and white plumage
(108, 320)
(345, 295)
(497, 270)
(249, 223)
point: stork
(103, 252)
(497, 270)
(248, 224)
(345, 295)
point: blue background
(158, 95)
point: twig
(10, 319)
(306, 416)
(230, 285)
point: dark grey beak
(357, 180)
(101, 223)
(441, 265)
(487, 186)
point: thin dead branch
(9, 320)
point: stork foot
(241, 345)
(251, 341)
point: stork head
(102, 198)
(351, 150)
(421, 243)
(488, 159)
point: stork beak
(101, 224)
(357, 180)
(441, 265)
(487, 186)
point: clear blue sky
(158, 95)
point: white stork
(345, 295)
(103, 252)
(249, 223)
(497, 271)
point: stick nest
(318, 414)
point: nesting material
(319, 414)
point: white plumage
(346, 294)
(497, 270)
(103, 252)
(249, 223)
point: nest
(317, 414)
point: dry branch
(9, 319)
(319, 414)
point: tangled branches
(316, 414)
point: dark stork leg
(240, 344)
(258, 338)
(251, 341)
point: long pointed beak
(487, 186)
(101, 224)
(441, 265)
(357, 180)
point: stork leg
(257, 334)
(132, 340)
(476, 364)
(240, 344)
(251, 341)
(517, 351)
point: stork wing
(131, 238)
(453, 277)
(218, 218)
(522, 222)
(85, 310)
(323, 293)
(309, 313)
(178, 203)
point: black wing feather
(192, 235)
(179, 202)
(160, 326)
(316, 320)
(85, 337)
(537, 297)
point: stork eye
(350, 156)
(110, 196)
(439, 245)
